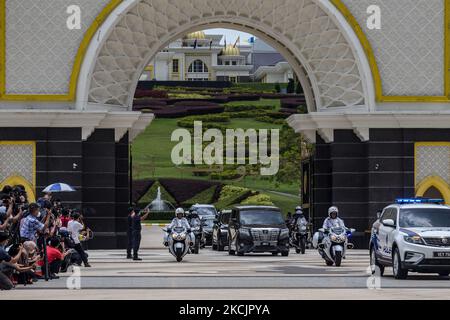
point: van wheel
(285, 254)
(444, 274)
(240, 254)
(399, 272)
(374, 264)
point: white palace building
(203, 57)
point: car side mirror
(389, 223)
(379, 214)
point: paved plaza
(216, 275)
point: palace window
(198, 66)
(175, 66)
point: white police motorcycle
(300, 236)
(334, 245)
(178, 242)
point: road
(216, 275)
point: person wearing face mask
(31, 225)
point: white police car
(412, 235)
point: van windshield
(425, 218)
(261, 217)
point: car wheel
(444, 274)
(374, 264)
(285, 254)
(399, 272)
(240, 254)
(274, 253)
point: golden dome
(231, 50)
(199, 35)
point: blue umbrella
(59, 187)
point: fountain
(159, 204)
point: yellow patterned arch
(19, 180)
(107, 10)
(438, 183)
(76, 65)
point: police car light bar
(419, 200)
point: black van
(257, 229)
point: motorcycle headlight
(302, 228)
(414, 239)
(179, 236)
(333, 238)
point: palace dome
(231, 50)
(199, 35)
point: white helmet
(333, 209)
(179, 211)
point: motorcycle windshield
(179, 229)
(338, 230)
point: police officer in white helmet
(179, 222)
(333, 220)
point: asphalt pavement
(216, 275)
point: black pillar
(99, 188)
(122, 190)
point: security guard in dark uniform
(136, 225)
(129, 233)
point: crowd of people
(38, 240)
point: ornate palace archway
(312, 35)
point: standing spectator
(31, 225)
(136, 231)
(130, 233)
(74, 227)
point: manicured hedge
(231, 195)
(149, 102)
(244, 97)
(183, 190)
(204, 197)
(244, 107)
(140, 188)
(162, 215)
(258, 200)
(144, 93)
(226, 175)
(292, 103)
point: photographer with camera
(31, 224)
(75, 227)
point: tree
(291, 86)
(290, 156)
